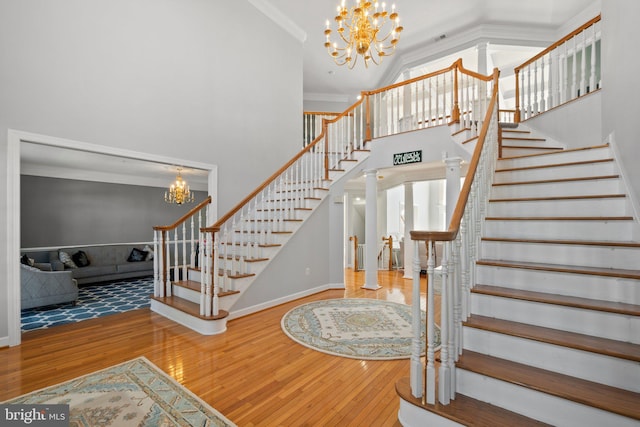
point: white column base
(371, 288)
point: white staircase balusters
(583, 64)
(444, 372)
(416, 374)
(214, 278)
(430, 369)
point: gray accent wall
(63, 212)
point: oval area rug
(358, 328)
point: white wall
(172, 78)
(621, 85)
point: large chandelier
(179, 192)
(366, 29)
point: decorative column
(371, 230)
(452, 176)
(408, 226)
(406, 104)
(482, 58)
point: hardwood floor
(254, 374)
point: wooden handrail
(454, 225)
(216, 226)
(559, 42)
(320, 113)
(184, 217)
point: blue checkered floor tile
(93, 301)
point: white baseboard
(268, 304)
(336, 286)
(4, 342)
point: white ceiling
(463, 22)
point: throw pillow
(24, 259)
(81, 259)
(66, 259)
(149, 252)
(137, 255)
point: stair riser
(574, 171)
(590, 207)
(521, 148)
(560, 230)
(578, 285)
(188, 294)
(534, 404)
(559, 157)
(595, 367)
(567, 188)
(589, 322)
(592, 256)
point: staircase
(249, 240)
(554, 328)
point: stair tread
(608, 243)
(237, 258)
(468, 411)
(612, 399)
(564, 300)
(553, 165)
(597, 271)
(566, 150)
(522, 138)
(604, 346)
(189, 307)
(579, 197)
(553, 181)
(533, 147)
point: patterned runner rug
(134, 393)
(356, 328)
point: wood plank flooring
(254, 374)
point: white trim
(280, 18)
(4, 341)
(201, 326)
(13, 237)
(263, 306)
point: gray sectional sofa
(39, 288)
(106, 262)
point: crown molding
(280, 18)
(326, 97)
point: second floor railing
(564, 71)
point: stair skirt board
(411, 415)
(572, 319)
(578, 285)
(204, 327)
(612, 371)
(538, 405)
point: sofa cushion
(135, 266)
(93, 271)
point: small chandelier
(361, 33)
(179, 192)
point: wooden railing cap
(184, 217)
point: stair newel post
(205, 273)
(213, 288)
(167, 289)
(225, 259)
(185, 264)
(444, 373)
(431, 370)
(416, 371)
(192, 253)
(455, 111)
(156, 269)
